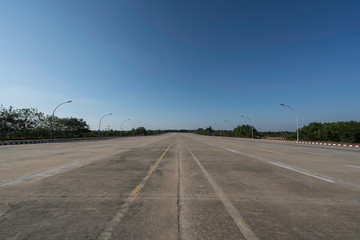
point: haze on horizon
(183, 64)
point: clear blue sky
(181, 64)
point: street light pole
(297, 121)
(122, 125)
(232, 126)
(252, 126)
(52, 118)
(100, 122)
(134, 128)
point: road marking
(231, 150)
(325, 155)
(57, 170)
(234, 213)
(110, 228)
(278, 164)
(272, 152)
(352, 166)
(302, 172)
(39, 174)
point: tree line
(240, 131)
(346, 132)
(28, 123)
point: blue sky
(183, 64)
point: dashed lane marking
(272, 152)
(276, 164)
(352, 166)
(110, 227)
(59, 169)
(298, 171)
(319, 154)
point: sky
(183, 64)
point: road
(179, 186)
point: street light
(252, 133)
(297, 121)
(100, 122)
(122, 125)
(134, 128)
(52, 118)
(232, 126)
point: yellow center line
(109, 229)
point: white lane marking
(48, 172)
(352, 166)
(234, 213)
(272, 152)
(231, 150)
(320, 154)
(39, 174)
(278, 164)
(302, 172)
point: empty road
(179, 186)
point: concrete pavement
(179, 186)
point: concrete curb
(300, 142)
(48, 141)
(325, 144)
(313, 143)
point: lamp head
(110, 113)
(69, 101)
(282, 104)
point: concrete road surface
(179, 186)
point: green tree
(28, 118)
(244, 131)
(8, 121)
(348, 132)
(74, 127)
(140, 131)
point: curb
(48, 141)
(300, 142)
(325, 144)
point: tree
(244, 131)
(74, 127)
(333, 132)
(8, 121)
(140, 131)
(28, 118)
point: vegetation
(28, 123)
(244, 131)
(347, 132)
(210, 132)
(274, 135)
(239, 131)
